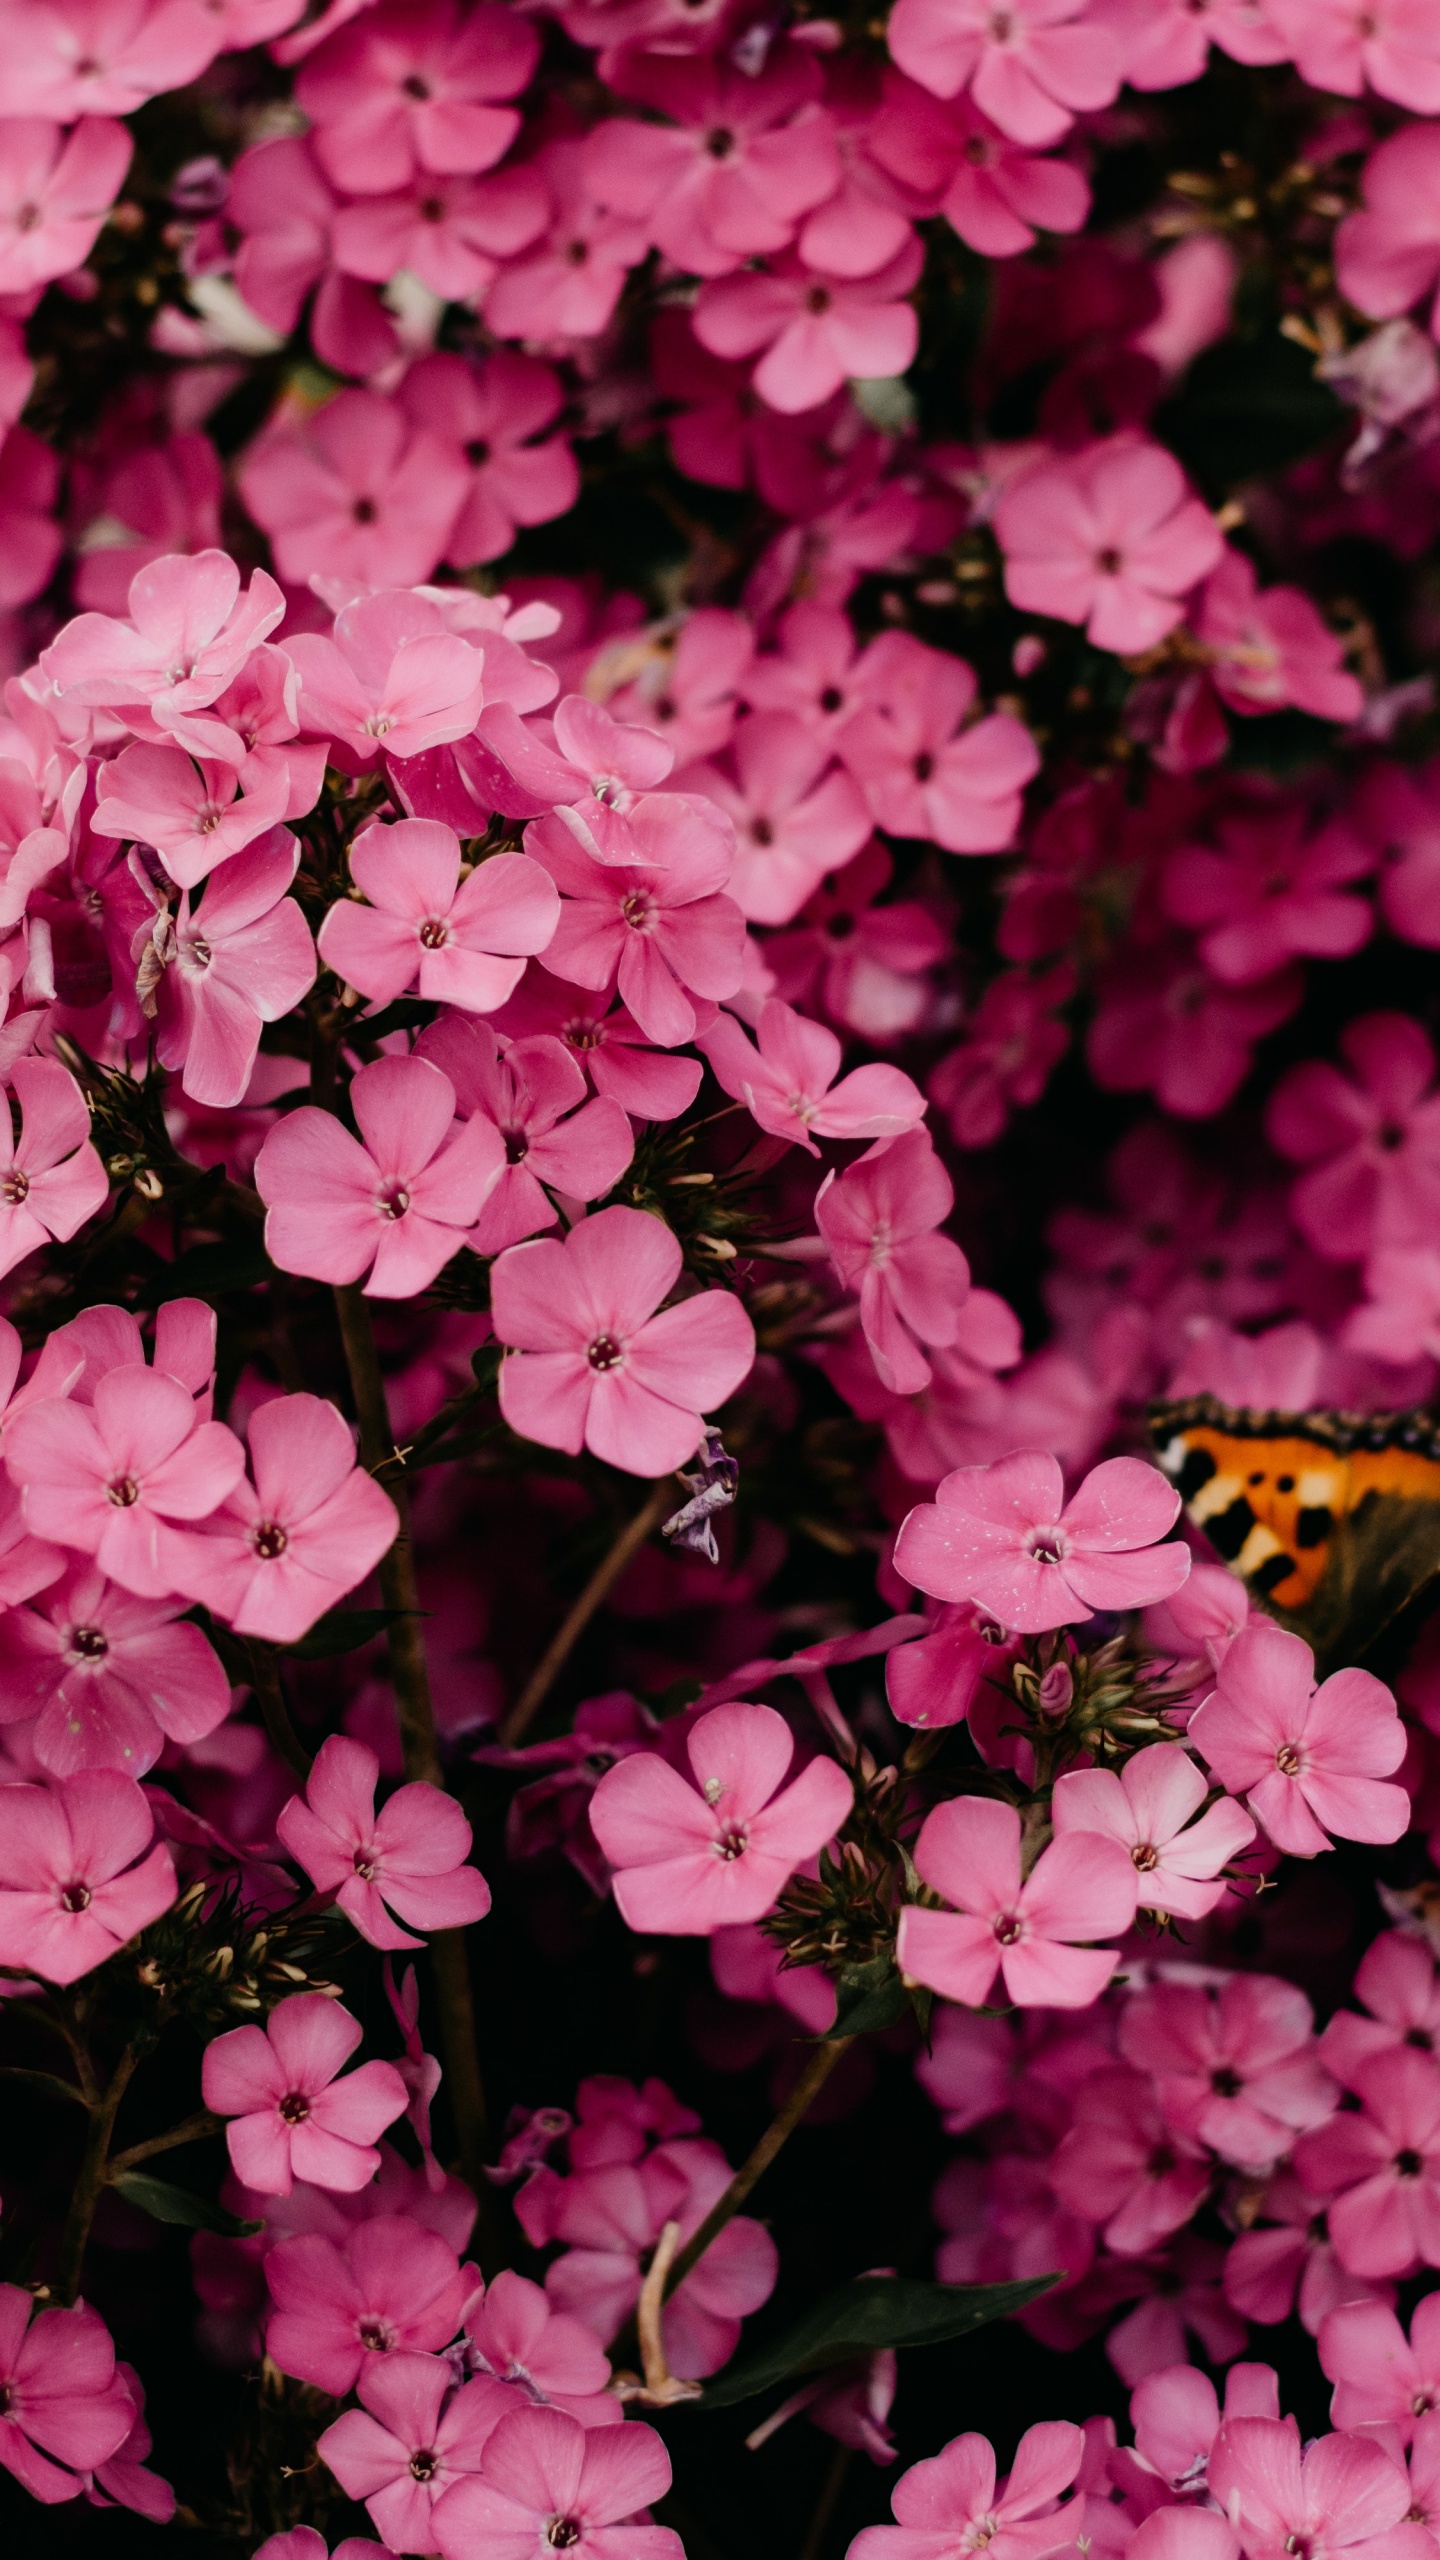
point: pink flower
(711, 202)
(606, 1041)
(51, 1178)
(949, 2504)
(688, 694)
(1340, 44)
(1396, 1980)
(1270, 649)
(497, 414)
(1273, 891)
(1309, 1762)
(1013, 1040)
(110, 1477)
(412, 2439)
(546, 2480)
(1345, 2493)
(353, 491)
(409, 1859)
(189, 634)
(55, 191)
(1234, 2065)
(530, 1093)
(1378, 2172)
(1371, 1137)
(194, 814)
(1110, 537)
(63, 2406)
(289, 1541)
(515, 2333)
(1147, 1808)
(1388, 254)
(568, 286)
(879, 1218)
(1398, 808)
(1081, 1887)
(396, 1203)
(389, 2285)
(29, 482)
(452, 233)
(1122, 2165)
(122, 2479)
(290, 2117)
(998, 1535)
(461, 943)
(110, 1678)
(1291, 2266)
(411, 88)
(1029, 67)
(1383, 2380)
(788, 1084)
(240, 959)
(991, 190)
(690, 1862)
(393, 679)
(659, 927)
(818, 331)
(78, 1874)
(797, 815)
(1165, 1025)
(925, 768)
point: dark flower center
(425, 2464)
(1145, 1856)
(562, 2533)
(1226, 2082)
(1108, 563)
(414, 87)
(364, 511)
(1008, 1927)
(394, 1202)
(376, 2336)
(719, 144)
(477, 451)
(268, 1540)
(434, 934)
(1408, 2164)
(294, 2107)
(91, 1643)
(76, 1897)
(517, 1146)
(817, 300)
(832, 698)
(1287, 1760)
(122, 1491)
(605, 1352)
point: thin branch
(266, 1682)
(802, 2097)
(194, 2129)
(573, 1625)
(92, 2178)
(827, 2502)
(47, 2083)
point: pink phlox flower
(990, 189)
(744, 157)
(660, 928)
(497, 413)
(816, 331)
(1110, 537)
(410, 1859)
(1345, 2493)
(1003, 1536)
(35, 825)
(692, 1856)
(531, 2133)
(1176, 2415)
(413, 2437)
(1179, 2299)
(239, 959)
(1398, 808)
(1274, 889)
(284, 210)
(612, 762)
(936, 1681)
(810, 670)
(1378, 2172)
(1013, 1040)
(1396, 1981)
(567, 286)
(1423, 2468)
(553, 1811)
(1148, 1807)
(290, 2117)
(111, 55)
(1370, 1137)
(56, 189)
(396, 1203)
(190, 631)
(261, 708)
(545, 2479)
(1082, 1887)
(866, 219)
(513, 2331)
(788, 1084)
(388, 2285)
(1383, 2380)
(79, 1875)
(66, 2407)
(1122, 2165)
(1031, 68)
(110, 1678)
(1388, 254)
(852, 2402)
(291, 1538)
(1288, 2262)
(555, 1140)
(797, 815)
(29, 486)
(1165, 1025)
(688, 685)
(926, 768)
(195, 814)
(1394, 45)
(122, 2479)
(866, 966)
(51, 1177)
(418, 2069)
(1310, 1762)
(1235, 2066)
(953, 2505)
(458, 942)
(392, 678)
(453, 233)
(410, 88)
(109, 1478)
(605, 1041)
(1271, 649)
(354, 490)
(1167, 42)
(880, 1218)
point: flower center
(14, 1188)
(294, 2107)
(817, 300)
(605, 1352)
(731, 1844)
(923, 766)
(393, 1202)
(761, 831)
(562, 2533)
(1009, 1928)
(414, 87)
(424, 2464)
(376, 2336)
(28, 218)
(367, 1863)
(90, 1643)
(196, 955)
(268, 1540)
(1408, 2164)
(364, 511)
(76, 1897)
(1108, 562)
(1288, 1760)
(1047, 1546)
(434, 934)
(638, 910)
(719, 143)
(517, 1146)
(1145, 1856)
(1226, 2082)
(122, 1491)
(1422, 2404)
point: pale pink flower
(1167, 42)
(194, 814)
(79, 1875)
(78, 57)
(879, 1218)
(1110, 537)
(1344, 2493)
(817, 331)
(51, 1178)
(1383, 2380)
(111, 1477)
(413, 87)
(1388, 254)
(1176, 2415)
(189, 634)
(1371, 1138)
(1378, 2172)
(1235, 2064)
(788, 1084)
(1273, 890)
(1396, 1980)
(547, 2481)
(410, 1859)
(393, 679)
(240, 959)
(394, 1204)
(1270, 649)
(693, 1858)
(457, 942)
(688, 691)
(497, 414)
(1394, 45)
(661, 927)
(354, 491)
(388, 2285)
(290, 2117)
(591, 1364)
(530, 1092)
(991, 190)
(952, 2504)
(1003, 1536)
(1310, 1762)
(568, 285)
(515, 2333)
(111, 1679)
(1082, 1887)
(1030, 67)
(413, 2437)
(55, 191)
(1122, 2165)
(744, 157)
(1148, 1807)
(64, 2407)
(797, 815)
(925, 768)
(290, 1540)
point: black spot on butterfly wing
(1228, 1530)
(1198, 1468)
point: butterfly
(1332, 1520)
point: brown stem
(827, 2502)
(265, 1679)
(91, 2179)
(802, 2097)
(194, 2129)
(577, 1618)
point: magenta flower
(291, 1539)
(546, 2481)
(64, 2408)
(190, 631)
(414, 88)
(1337, 45)
(1344, 2493)
(1110, 537)
(1147, 1807)
(396, 1203)
(1396, 1980)
(1398, 808)
(925, 768)
(515, 2333)
(1383, 2380)
(111, 1679)
(1270, 649)
(454, 233)
(414, 2437)
(707, 207)
(497, 414)
(353, 491)
(991, 190)
(122, 2479)
(55, 191)
(592, 1365)
(879, 1218)
(796, 814)
(1235, 2066)
(290, 2116)
(1371, 1139)
(389, 2285)
(109, 1477)
(531, 1092)
(659, 926)
(1311, 1763)
(1166, 1026)
(1081, 1887)
(460, 943)
(78, 1873)
(1273, 891)
(408, 1859)
(788, 1086)
(194, 814)
(240, 959)
(950, 2504)
(998, 1535)
(1378, 2173)
(567, 286)
(817, 331)
(1121, 2164)
(1029, 67)
(1388, 254)
(51, 1178)
(693, 1858)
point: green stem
(797, 2106)
(577, 1618)
(265, 1671)
(91, 2180)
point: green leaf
(868, 1997)
(341, 1631)
(165, 2203)
(871, 2312)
